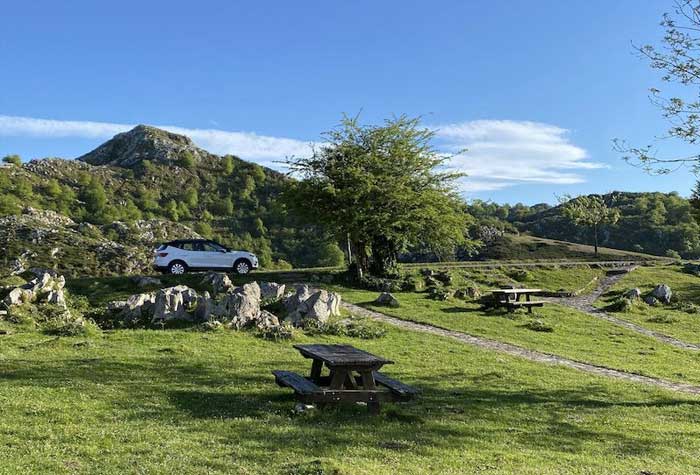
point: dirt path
(584, 303)
(519, 351)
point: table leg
(316, 368)
(338, 378)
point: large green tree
(384, 189)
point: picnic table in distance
(353, 377)
(511, 299)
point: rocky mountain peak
(143, 142)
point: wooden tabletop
(515, 291)
(342, 355)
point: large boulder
(386, 298)
(271, 291)
(292, 302)
(174, 303)
(663, 293)
(319, 306)
(136, 307)
(218, 281)
(242, 305)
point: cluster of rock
(46, 288)
(662, 293)
(238, 307)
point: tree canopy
(384, 188)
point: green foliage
(591, 211)
(187, 160)
(282, 332)
(12, 159)
(537, 325)
(383, 188)
(350, 327)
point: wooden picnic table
(353, 377)
(511, 299)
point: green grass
(188, 403)
(575, 335)
(665, 319)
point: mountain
(144, 186)
(662, 224)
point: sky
(535, 92)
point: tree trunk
(595, 237)
(384, 259)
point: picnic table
(511, 299)
(353, 377)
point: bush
(285, 331)
(538, 325)
(12, 159)
(673, 254)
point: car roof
(183, 241)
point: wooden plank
(515, 291)
(297, 382)
(532, 303)
(395, 386)
(342, 355)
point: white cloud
(503, 153)
(247, 145)
(500, 153)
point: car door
(190, 255)
(214, 256)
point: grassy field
(187, 402)
(574, 334)
(681, 319)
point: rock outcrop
(663, 293)
(387, 299)
(44, 289)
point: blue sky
(535, 90)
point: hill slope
(148, 175)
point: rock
(240, 306)
(437, 293)
(385, 298)
(292, 302)
(205, 305)
(301, 408)
(266, 321)
(468, 293)
(174, 303)
(17, 296)
(651, 300)
(271, 291)
(40, 271)
(56, 297)
(632, 294)
(426, 272)
(663, 293)
(142, 281)
(431, 282)
(319, 306)
(219, 282)
(135, 307)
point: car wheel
(242, 266)
(177, 268)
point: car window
(209, 247)
(215, 247)
(187, 246)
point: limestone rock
(271, 291)
(174, 303)
(385, 298)
(651, 300)
(632, 294)
(663, 293)
(218, 281)
(292, 302)
(319, 306)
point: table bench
(353, 377)
(510, 299)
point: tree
(187, 160)
(591, 211)
(12, 159)
(678, 58)
(383, 188)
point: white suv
(178, 257)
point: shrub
(12, 159)
(672, 253)
(538, 325)
(351, 327)
(285, 331)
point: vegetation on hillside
(654, 223)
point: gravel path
(515, 350)
(584, 303)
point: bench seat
(397, 387)
(297, 382)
